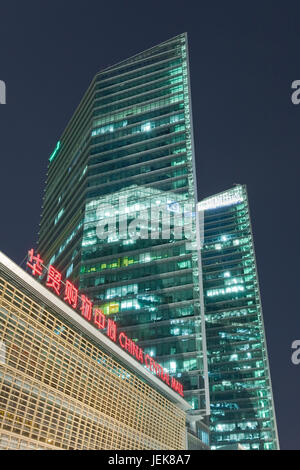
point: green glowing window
(110, 308)
(55, 151)
(59, 215)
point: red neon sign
(37, 266)
(71, 294)
(134, 350)
(98, 319)
(112, 330)
(86, 307)
(54, 279)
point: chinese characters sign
(81, 303)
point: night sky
(244, 57)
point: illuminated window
(69, 270)
(59, 215)
(146, 127)
(54, 153)
(110, 308)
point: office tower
(242, 408)
(128, 149)
(65, 385)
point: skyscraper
(242, 408)
(128, 149)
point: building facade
(118, 217)
(64, 385)
(242, 408)
(129, 148)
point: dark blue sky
(244, 56)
